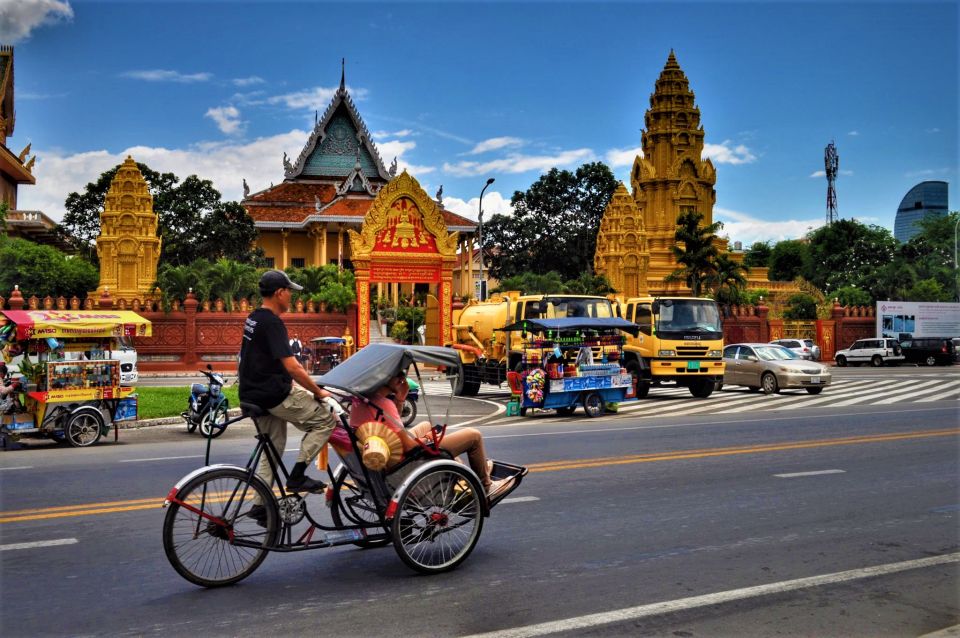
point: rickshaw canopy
(566, 324)
(84, 324)
(329, 340)
(377, 363)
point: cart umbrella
(565, 324)
(40, 324)
(376, 364)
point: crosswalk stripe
(830, 395)
(939, 388)
(867, 397)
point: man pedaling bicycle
(267, 371)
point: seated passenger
(389, 398)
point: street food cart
(69, 388)
(328, 352)
(571, 361)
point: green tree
(695, 251)
(193, 221)
(758, 255)
(848, 253)
(530, 283)
(232, 279)
(587, 284)
(728, 281)
(554, 224)
(44, 270)
(853, 296)
(4, 210)
(929, 290)
(789, 259)
(801, 306)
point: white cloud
(619, 157)
(384, 134)
(248, 81)
(18, 18)
(853, 133)
(396, 148)
(317, 98)
(227, 119)
(932, 130)
(493, 204)
(225, 163)
(927, 172)
(725, 153)
(842, 172)
(495, 143)
(166, 75)
(516, 163)
(748, 229)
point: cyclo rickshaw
(74, 368)
(427, 504)
(327, 353)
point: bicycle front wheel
(211, 536)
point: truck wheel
(643, 387)
(471, 381)
(702, 388)
(593, 405)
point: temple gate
(404, 239)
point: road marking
(938, 391)
(20, 467)
(817, 473)
(890, 394)
(162, 458)
(53, 543)
(552, 466)
(709, 600)
(519, 499)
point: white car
(798, 346)
(876, 352)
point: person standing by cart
(268, 368)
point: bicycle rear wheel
(213, 539)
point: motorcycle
(207, 407)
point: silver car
(799, 347)
(771, 368)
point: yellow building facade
(128, 245)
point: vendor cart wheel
(226, 543)
(438, 519)
(352, 505)
(409, 412)
(567, 411)
(593, 405)
(83, 428)
(209, 424)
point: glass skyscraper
(926, 199)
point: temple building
(128, 245)
(326, 191)
(638, 231)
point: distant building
(926, 199)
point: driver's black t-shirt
(263, 379)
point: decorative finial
(316, 203)
(287, 166)
(316, 117)
(246, 188)
(393, 167)
(343, 74)
(440, 195)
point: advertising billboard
(907, 319)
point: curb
(166, 420)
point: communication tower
(831, 161)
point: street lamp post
(955, 268)
(483, 289)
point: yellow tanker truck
(680, 341)
(488, 353)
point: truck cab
(680, 341)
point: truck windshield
(689, 316)
(559, 307)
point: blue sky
(465, 91)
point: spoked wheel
(212, 419)
(409, 412)
(438, 519)
(221, 542)
(352, 505)
(83, 429)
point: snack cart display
(570, 362)
(68, 389)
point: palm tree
(728, 280)
(229, 278)
(697, 257)
(174, 282)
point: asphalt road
(718, 515)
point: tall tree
(554, 224)
(789, 259)
(729, 280)
(695, 251)
(847, 253)
(758, 255)
(194, 222)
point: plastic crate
(513, 408)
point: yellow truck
(487, 353)
(680, 341)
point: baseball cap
(273, 280)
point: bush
(44, 270)
(400, 331)
(853, 296)
(801, 307)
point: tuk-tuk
(327, 353)
(68, 387)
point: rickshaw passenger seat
(252, 411)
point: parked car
(929, 351)
(771, 368)
(813, 348)
(798, 346)
(876, 352)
